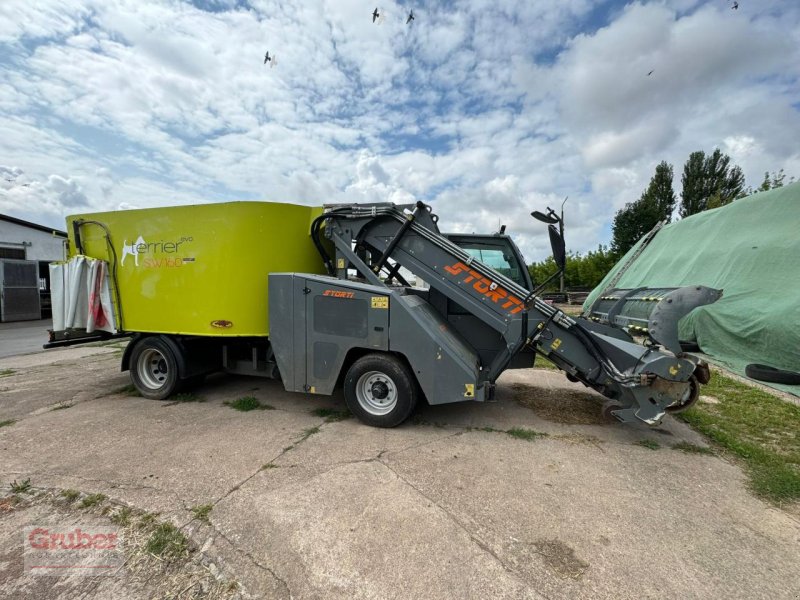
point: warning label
(380, 302)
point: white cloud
(106, 105)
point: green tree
(773, 181)
(709, 179)
(583, 271)
(656, 203)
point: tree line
(708, 180)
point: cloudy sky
(486, 109)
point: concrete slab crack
(253, 560)
(456, 521)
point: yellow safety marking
(340, 263)
(313, 389)
(556, 343)
(470, 390)
(380, 302)
(674, 370)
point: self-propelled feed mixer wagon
(322, 297)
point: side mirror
(544, 218)
(558, 246)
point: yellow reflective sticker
(674, 370)
(556, 343)
(340, 263)
(380, 302)
(470, 390)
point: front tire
(380, 390)
(154, 368)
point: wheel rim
(376, 393)
(153, 368)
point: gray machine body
(317, 322)
(470, 325)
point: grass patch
(758, 428)
(649, 444)
(247, 403)
(692, 448)
(167, 541)
(544, 363)
(70, 495)
(23, 487)
(6, 372)
(127, 390)
(331, 415)
(122, 517)
(525, 434)
(201, 512)
(92, 500)
(307, 433)
(267, 466)
(187, 397)
(7, 423)
(147, 520)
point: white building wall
(44, 246)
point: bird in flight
(375, 14)
(651, 72)
(270, 59)
(735, 6)
(410, 17)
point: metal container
(200, 269)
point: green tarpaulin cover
(751, 250)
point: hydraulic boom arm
(641, 382)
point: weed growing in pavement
(127, 390)
(307, 433)
(692, 448)
(525, 434)
(91, 500)
(201, 512)
(166, 541)
(24, 487)
(147, 520)
(247, 403)
(187, 397)
(61, 406)
(122, 517)
(650, 444)
(6, 372)
(331, 415)
(269, 466)
(70, 495)
(7, 423)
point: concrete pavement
(23, 337)
(446, 506)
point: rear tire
(154, 368)
(771, 374)
(380, 390)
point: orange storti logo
(339, 294)
(491, 290)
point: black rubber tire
(771, 374)
(146, 384)
(400, 379)
(690, 347)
